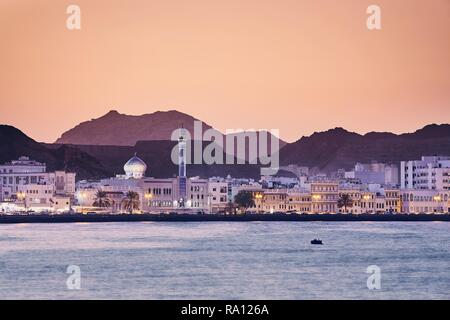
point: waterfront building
(197, 194)
(26, 185)
(283, 201)
(354, 194)
(274, 201)
(299, 201)
(324, 197)
(425, 201)
(36, 196)
(155, 195)
(368, 202)
(159, 195)
(429, 173)
(20, 172)
(393, 201)
(218, 194)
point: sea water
(225, 260)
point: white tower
(182, 167)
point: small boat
(316, 241)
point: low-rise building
(393, 201)
(299, 201)
(25, 185)
(425, 201)
(324, 197)
(218, 194)
(355, 197)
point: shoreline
(98, 218)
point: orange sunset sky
(299, 65)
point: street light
(438, 199)
(258, 196)
(149, 197)
(22, 196)
(82, 196)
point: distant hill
(93, 162)
(338, 148)
(157, 155)
(116, 129)
(14, 143)
(322, 151)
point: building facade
(425, 201)
(25, 185)
(324, 197)
(429, 173)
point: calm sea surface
(248, 260)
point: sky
(299, 66)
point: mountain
(322, 151)
(119, 129)
(93, 161)
(116, 129)
(157, 155)
(14, 143)
(430, 131)
(338, 148)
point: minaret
(182, 167)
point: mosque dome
(135, 168)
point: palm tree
(101, 200)
(131, 201)
(244, 199)
(345, 201)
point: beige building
(393, 202)
(275, 201)
(299, 202)
(324, 197)
(355, 196)
(218, 195)
(281, 200)
(425, 201)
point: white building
(155, 195)
(425, 201)
(379, 173)
(218, 194)
(20, 172)
(25, 185)
(429, 173)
